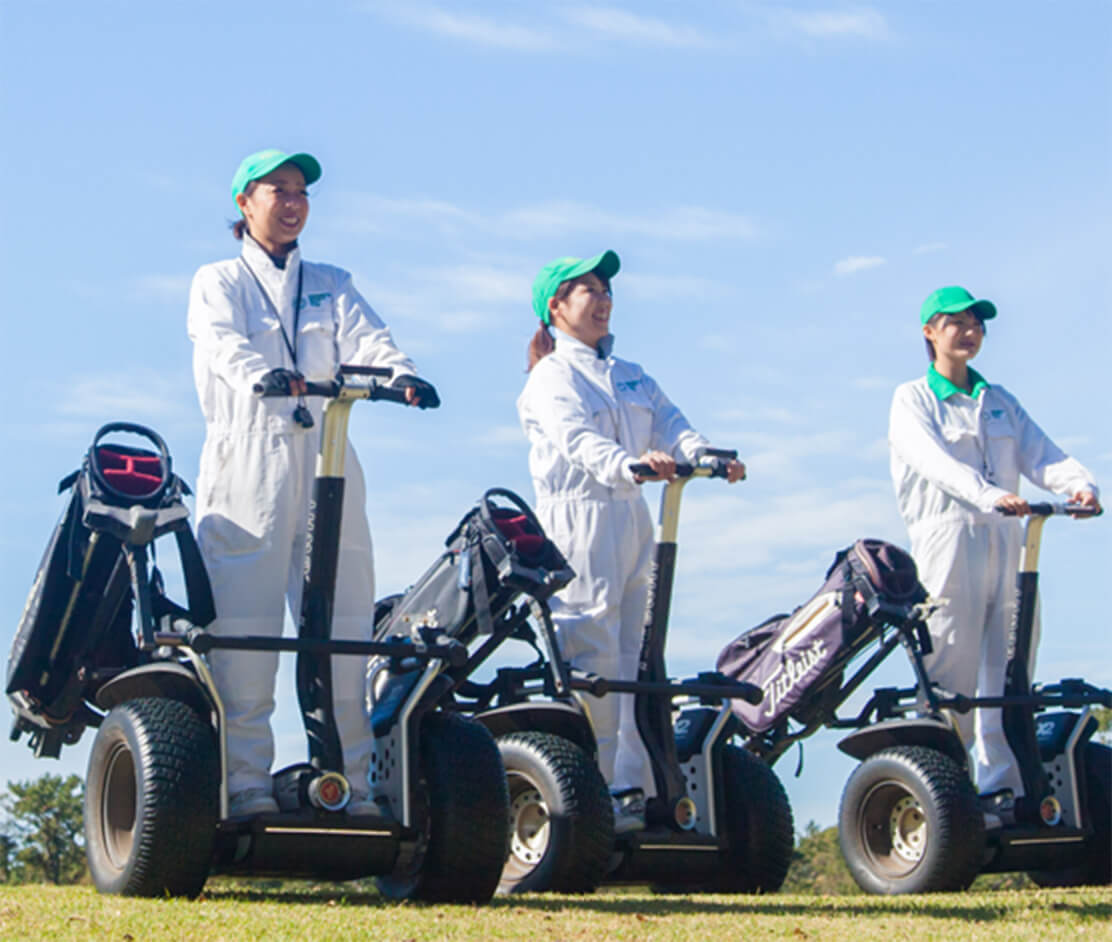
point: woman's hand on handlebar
(1012, 505)
(281, 382)
(418, 392)
(735, 471)
(1087, 499)
(663, 465)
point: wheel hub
(118, 806)
(529, 826)
(895, 832)
(908, 827)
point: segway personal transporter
(910, 820)
(720, 819)
(156, 807)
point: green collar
(944, 389)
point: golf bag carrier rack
(871, 595)
(498, 569)
(75, 633)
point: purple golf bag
(798, 659)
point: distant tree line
(41, 836)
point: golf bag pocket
(497, 553)
(78, 617)
(795, 658)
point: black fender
(559, 719)
(926, 731)
(166, 679)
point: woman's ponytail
(540, 346)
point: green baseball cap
(564, 269)
(953, 299)
(259, 164)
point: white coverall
(588, 417)
(255, 482)
(953, 455)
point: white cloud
(142, 394)
(687, 288)
(480, 30)
(855, 23)
(171, 289)
(459, 299)
(622, 25)
(928, 248)
(870, 383)
(759, 412)
(683, 223)
(857, 263)
(365, 213)
(501, 435)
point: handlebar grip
(389, 393)
(352, 370)
(640, 468)
(727, 454)
(327, 389)
(1047, 509)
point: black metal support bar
(203, 642)
(600, 686)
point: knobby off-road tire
(151, 800)
(1095, 865)
(463, 816)
(909, 822)
(758, 825)
(561, 818)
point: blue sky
(784, 182)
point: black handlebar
(719, 459)
(331, 388)
(1047, 509)
(353, 370)
(641, 469)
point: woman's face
(584, 313)
(956, 337)
(276, 208)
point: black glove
(276, 382)
(426, 392)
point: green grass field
(234, 911)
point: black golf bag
(798, 659)
(493, 556)
(76, 629)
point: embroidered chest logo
(628, 385)
(316, 300)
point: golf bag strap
(861, 581)
(479, 584)
(198, 589)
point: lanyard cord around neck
(291, 346)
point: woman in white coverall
(958, 447)
(268, 317)
(588, 416)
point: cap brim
(607, 264)
(985, 310)
(307, 164)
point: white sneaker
(629, 810)
(252, 801)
